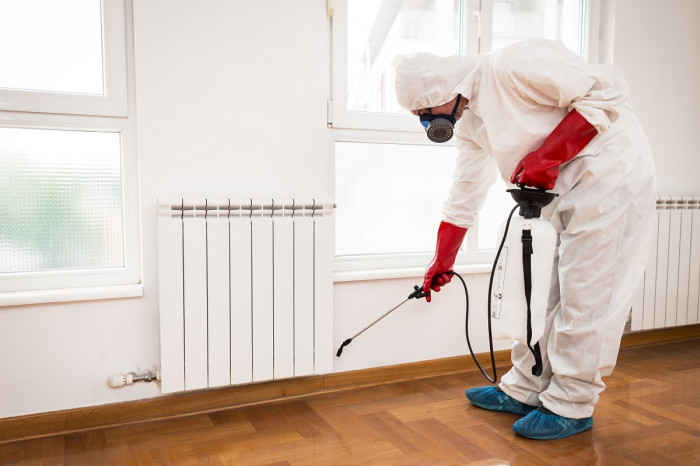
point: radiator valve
(148, 374)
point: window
(390, 181)
(68, 185)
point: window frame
(110, 112)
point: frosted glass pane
(51, 45)
(381, 33)
(389, 196)
(516, 20)
(60, 200)
(495, 211)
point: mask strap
(454, 110)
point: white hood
(425, 80)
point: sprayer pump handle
(418, 292)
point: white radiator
(245, 289)
(668, 295)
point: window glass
(51, 45)
(60, 200)
(381, 32)
(516, 20)
(389, 196)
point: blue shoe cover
(545, 425)
(494, 399)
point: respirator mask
(440, 128)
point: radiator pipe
(149, 374)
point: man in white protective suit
(545, 118)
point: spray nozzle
(345, 343)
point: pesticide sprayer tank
(508, 303)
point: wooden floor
(649, 415)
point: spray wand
(417, 293)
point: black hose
(488, 309)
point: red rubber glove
(449, 240)
(541, 167)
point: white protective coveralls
(603, 214)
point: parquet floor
(649, 415)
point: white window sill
(404, 272)
(16, 298)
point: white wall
(231, 101)
(232, 98)
(657, 47)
